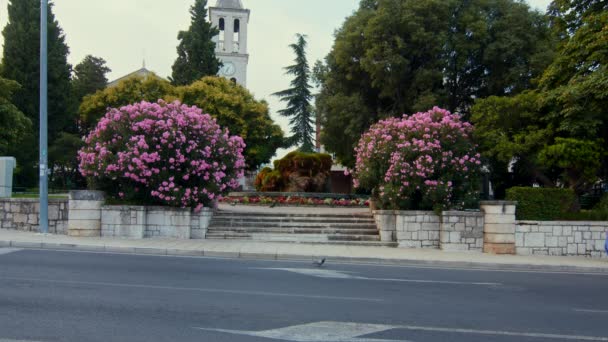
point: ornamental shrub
(296, 172)
(162, 154)
(419, 162)
(542, 204)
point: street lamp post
(44, 190)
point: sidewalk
(307, 252)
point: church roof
(229, 4)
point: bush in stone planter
(418, 162)
(162, 154)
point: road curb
(295, 257)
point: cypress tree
(299, 109)
(21, 63)
(196, 50)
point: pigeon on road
(319, 263)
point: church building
(232, 19)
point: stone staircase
(303, 227)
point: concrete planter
(138, 222)
(386, 221)
(123, 221)
(417, 229)
(84, 218)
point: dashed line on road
(591, 311)
(195, 289)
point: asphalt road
(77, 297)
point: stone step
(221, 213)
(294, 219)
(290, 224)
(293, 230)
(290, 237)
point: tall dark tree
(21, 63)
(15, 125)
(298, 98)
(89, 76)
(394, 57)
(196, 50)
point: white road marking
(592, 311)
(195, 289)
(323, 273)
(7, 251)
(349, 332)
(317, 332)
(504, 333)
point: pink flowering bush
(418, 162)
(163, 154)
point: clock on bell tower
(232, 19)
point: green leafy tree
(89, 76)
(131, 90)
(15, 125)
(403, 56)
(233, 106)
(21, 63)
(557, 133)
(196, 50)
(298, 98)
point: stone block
(410, 244)
(519, 239)
(84, 233)
(558, 230)
(524, 251)
(84, 224)
(578, 237)
(567, 231)
(572, 249)
(430, 226)
(85, 214)
(499, 238)
(498, 207)
(85, 205)
(535, 240)
(552, 241)
(500, 218)
(434, 236)
(499, 248)
(20, 218)
(32, 218)
(135, 231)
(499, 228)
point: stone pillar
(84, 215)
(386, 220)
(499, 227)
(7, 166)
(200, 223)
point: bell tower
(232, 19)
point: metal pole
(44, 190)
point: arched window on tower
(222, 25)
(237, 36)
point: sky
(127, 32)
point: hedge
(542, 204)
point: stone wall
(561, 238)
(23, 214)
(462, 231)
(417, 229)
